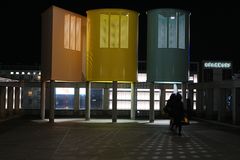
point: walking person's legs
(180, 129)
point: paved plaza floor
(100, 139)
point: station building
(90, 69)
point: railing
(219, 101)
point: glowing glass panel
(123, 105)
(142, 77)
(190, 78)
(167, 96)
(72, 32)
(6, 97)
(143, 95)
(13, 97)
(114, 31)
(65, 91)
(162, 31)
(143, 105)
(195, 78)
(78, 34)
(66, 30)
(20, 98)
(124, 31)
(104, 30)
(82, 91)
(156, 105)
(172, 33)
(194, 106)
(181, 37)
(194, 96)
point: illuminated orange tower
(63, 45)
(63, 51)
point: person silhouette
(178, 113)
(169, 109)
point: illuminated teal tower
(167, 45)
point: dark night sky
(214, 26)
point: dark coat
(178, 111)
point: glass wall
(31, 98)
(82, 96)
(143, 99)
(96, 98)
(65, 98)
(123, 98)
(194, 99)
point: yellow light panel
(104, 30)
(72, 32)
(114, 31)
(124, 31)
(66, 30)
(78, 34)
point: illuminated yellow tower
(112, 42)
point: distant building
(20, 73)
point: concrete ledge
(216, 122)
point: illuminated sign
(216, 64)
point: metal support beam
(114, 102)
(52, 101)
(10, 101)
(43, 99)
(2, 101)
(184, 87)
(234, 109)
(17, 99)
(151, 111)
(76, 99)
(88, 101)
(162, 98)
(106, 98)
(133, 100)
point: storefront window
(64, 98)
